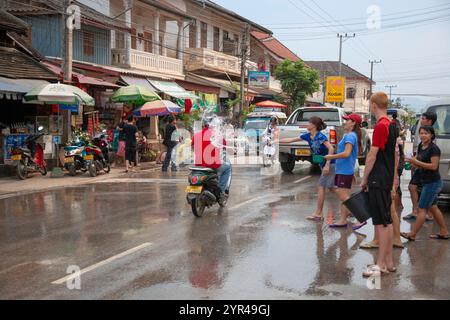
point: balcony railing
(147, 62)
(210, 60)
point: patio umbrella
(157, 108)
(134, 94)
(270, 104)
(58, 93)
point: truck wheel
(289, 165)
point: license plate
(302, 152)
(89, 157)
(194, 189)
(16, 157)
(69, 160)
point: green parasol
(134, 94)
(58, 93)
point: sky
(412, 38)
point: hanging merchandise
(187, 106)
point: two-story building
(357, 85)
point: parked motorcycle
(203, 190)
(95, 160)
(29, 157)
(101, 141)
(74, 158)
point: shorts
(429, 194)
(415, 178)
(380, 206)
(344, 181)
(130, 154)
(327, 181)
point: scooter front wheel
(198, 207)
(73, 170)
(43, 170)
(92, 170)
(107, 168)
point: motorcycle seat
(204, 169)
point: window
(351, 92)
(216, 46)
(442, 124)
(88, 44)
(204, 35)
(148, 42)
(133, 39)
(192, 35)
(305, 115)
(120, 40)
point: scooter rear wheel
(22, 170)
(73, 170)
(107, 168)
(198, 208)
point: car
(296, 125)
(442, 128)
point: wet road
(135, 238)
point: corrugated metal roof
(9, 22)
(275, 46)
(331, 68)
(15, 64)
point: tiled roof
(331, 68)
(15, 64)
(9, 22)
(275, 46)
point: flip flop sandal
(368, 245)
(439, 236)
(314, 218)
(374, 270)
(429, 219)
(334, 225)
(359, 226)
(409, 217)
(399, 246)
(407, 236)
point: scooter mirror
(40, 128)
(104, 130)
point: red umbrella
(270, 104)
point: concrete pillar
(127, 60)
(156, 47)
(221, 40)
(180, 46)
(199, 33)
(154, 131)
(210, 37)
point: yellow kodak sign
(335, 89)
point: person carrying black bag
(169, 143)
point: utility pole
(244, 50)
(342, 38)
(390, 92)
(371, 74)
(67, 46)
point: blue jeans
(224, 174)
(429, 194)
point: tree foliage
(297, 81)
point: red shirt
(381, 133)
(205, 153)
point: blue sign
(259, 78)
(12, 141)
(72, 108)
(57, 139)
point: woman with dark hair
(319, 145)
(346, 156)
(427, 162)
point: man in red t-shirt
(206, 154)
(378, 179)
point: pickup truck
(296, 125)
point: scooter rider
(207, 154)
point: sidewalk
(12, 186)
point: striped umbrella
(58, 93)
(134, 94)
(157, 108)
